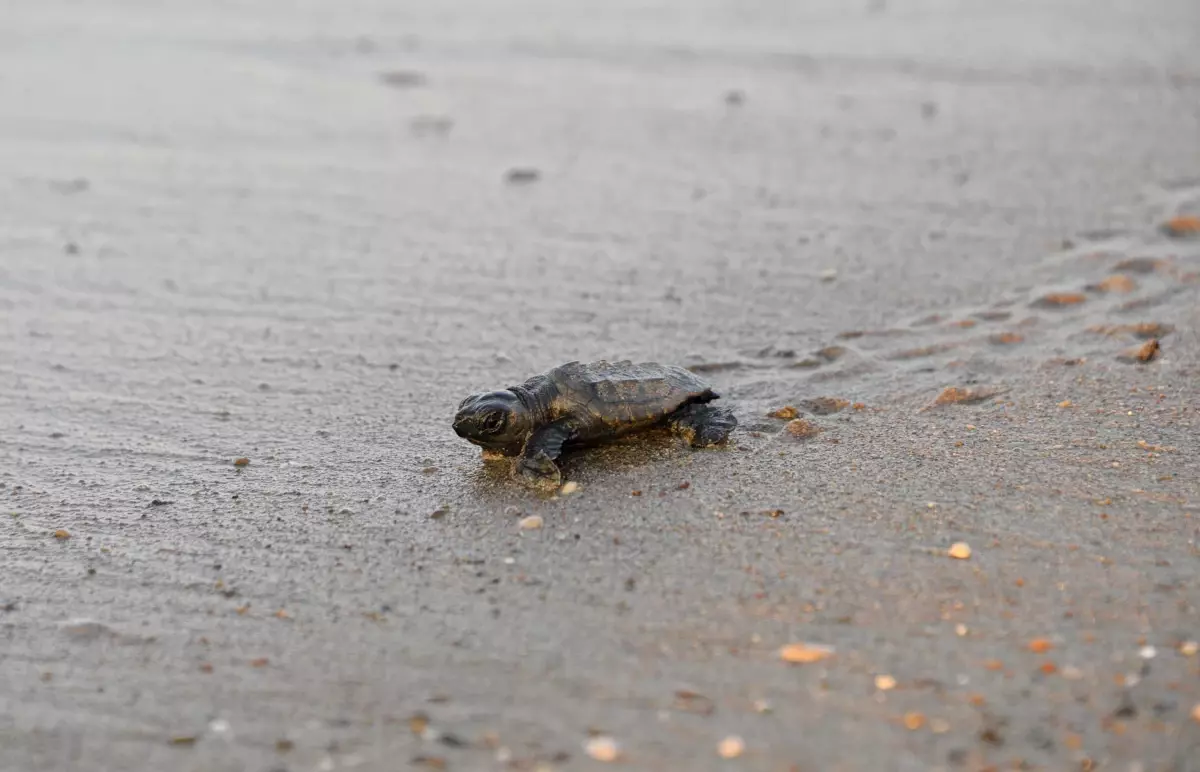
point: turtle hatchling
(581, 404)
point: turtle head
(495, 420)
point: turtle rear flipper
(703, 425)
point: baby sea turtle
(581, 404)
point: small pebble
(939, 725)
(1196, 713)
(1189, 648)
(885, 683)
(569, 488)
(960, 630)
(762, 706)
(242, 462)
(829, 274)
(960, 550)
(62, 533)
(602, 748)
(1071, 673)
(801, 429)
(731, 747)
(531, 523)
(1148, 652)
(805, 653)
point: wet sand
(293, 235)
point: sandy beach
(252, 256)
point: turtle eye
(494, 422)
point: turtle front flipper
(703, 425)
(536, 466)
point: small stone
(829, 274)
(283, 745)
(914, 721)
(260, 662)
(1119, 283)
(1182, 227)
(218, 726)
(569, 488)
(1148, 652)
(960, 550)
(762, 706)
(1189, 648)
(602, 748)
(831, 353)
(1142, 265)
(1196, 712)
(1060, 300)
(418, 724)
(885, 683)
(242, 462)
(963, 396)
(939, 725)
(786, 413)
(1040, 645)
(1006, 339)
(182, 740)
(801, 429)
(731, 747)
(1066, 403)
(531, 523)
(805, 653)
(1071, 673)
(960, 630)
(439, 513)
(1143, 353)
(62, 533)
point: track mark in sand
(1113, 300)
(1073, 309)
